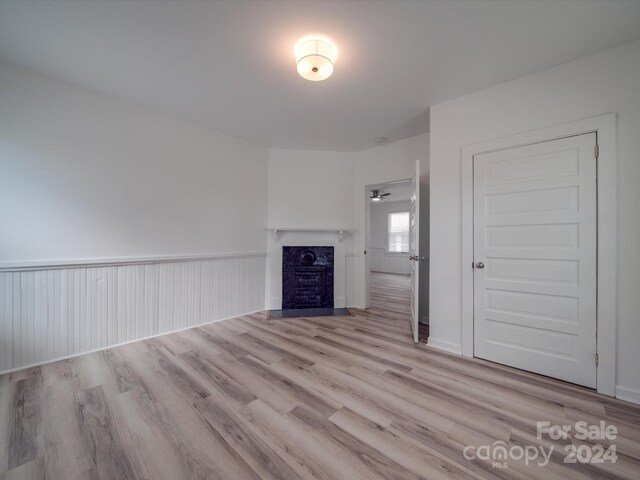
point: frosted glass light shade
(315, 59)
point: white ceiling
(230, 66)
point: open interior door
(414, 250)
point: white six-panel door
(535, 240)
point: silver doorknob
(479, 265)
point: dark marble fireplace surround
(307, 277)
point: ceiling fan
(376, 196)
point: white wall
(84, 178)
(381, 259)
(101, 178)
(603, 83)
(312, 189)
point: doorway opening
(388, 253)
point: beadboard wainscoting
(48, 313)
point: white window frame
(393, 252)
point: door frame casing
(415, 239)
(604, 126)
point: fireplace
(307, 277)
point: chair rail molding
(17, 266)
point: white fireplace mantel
(277, 232)
(300, 236)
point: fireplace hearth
(307, 277)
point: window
(399, 232)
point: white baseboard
(275, 303)
(444, 345)
(628, 394)
(66, 357)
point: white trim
(108, 262)
(366, 303)
(605, 128)
(46, 362)
(628, 394)
(444, 345)
(311, 229)
(277, 232)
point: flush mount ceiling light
(315, 56)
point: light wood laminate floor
(318, 398)
(391, 298)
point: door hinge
(597, 359)
(596, 150)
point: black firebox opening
(307, 277)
